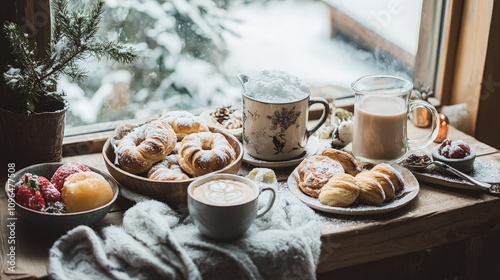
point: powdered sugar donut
(205, 152)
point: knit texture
(156, 242)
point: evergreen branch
(61, 65)
(60, 8)
(75, 72)
(114, 51)
(73, 39)
(22, 47)
(93, 19)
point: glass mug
(381, 109)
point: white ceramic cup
(222, 220)
(277, 131)
(381, 108)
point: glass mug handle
(269, 203)
(322, 120)
(426, 140)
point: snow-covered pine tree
(32, 81)
(173, 37)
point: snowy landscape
(290, 35)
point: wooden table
(350, 245)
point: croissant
(383, 180)
(138, 150)
(347, 161)
(371, 192)
(340, 191)
(167, 170)
(393, 174)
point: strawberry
(64, 171)
(48, 190)
(24, 179)
(28, 194)
(23, 195)
(37, 202)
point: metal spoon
(485, 186)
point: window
(191, 51)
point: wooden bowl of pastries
(170, 186)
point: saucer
(311, 149)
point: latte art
(224, 192)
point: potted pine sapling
(32, 111)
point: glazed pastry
(340, 191)
(393, 174)
(349, 163)
(205, 152)
(315, 171)
(167, 170)
(145, 145)
(85, 190)
(371, 192)
(383, 180)
(184, 123)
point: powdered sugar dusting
(454, 147)
(319, 169)
(276, 86)
(483, 171)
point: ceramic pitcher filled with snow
(275, 115)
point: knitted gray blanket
(156, 242)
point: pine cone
(222, 113)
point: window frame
(456, 80)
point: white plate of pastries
(334, 182)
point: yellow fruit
(85, 191)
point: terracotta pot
(27, 140)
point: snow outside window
(191, 50)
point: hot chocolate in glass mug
(275, 115)
(381, 108)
